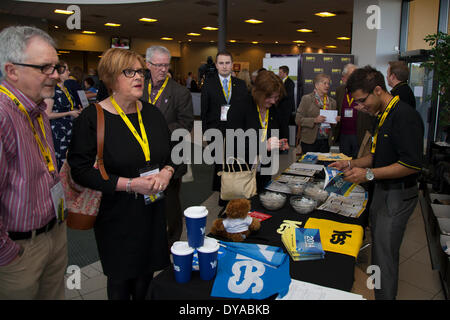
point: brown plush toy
(238, 224)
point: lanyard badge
(160, 91)
(390, 106)
(64, 89)
(264, 125)
(45, 150)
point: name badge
(150, 198)
(348, 113)
(224, 111)
(59, 203)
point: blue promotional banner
(239, 276)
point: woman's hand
(320, 119)
(340, 165)
(284, 145)
(74, 113)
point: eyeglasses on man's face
(130, 73)
(160, 65)
(361, 101)
(47, 69)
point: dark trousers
(130, 289)
(348, 145)
(389, 214)
(173, 211)
(320, 145)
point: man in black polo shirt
(393, 165)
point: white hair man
(175, 103)
(33, 243)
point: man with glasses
(393, 166)
(175, 103)
(33, 242)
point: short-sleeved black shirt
(400, 139)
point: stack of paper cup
(207, 258)
(195, 225)
(182, 261)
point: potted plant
(439, 62)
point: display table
(335, 271)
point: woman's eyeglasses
(47, 69)
(130, 73)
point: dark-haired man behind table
(393, 165)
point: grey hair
(347, 67)
(14, 41)
(151, 51)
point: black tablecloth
(335, 271)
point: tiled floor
(417, 281)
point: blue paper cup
(207, 258)
(195, 225)
(182, 261)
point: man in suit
(175, 103)
(221, 92)
(397, 79)
(286, 106)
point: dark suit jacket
(212, 98)
(286, 106)
(176, 106)
(405, 93)
(364, 121)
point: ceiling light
(343, 38)
(111, 24)
(299, 41)
(56, 27)
(166, 38)
(88, 32)
(233, 41)
(276, 41)
(210, 28)
(194, 34)
(253, 21)
(304, 30)
(331, 47)
(148, 20)
(63, 11)
(325, 14)
(255, 42)
(63, 51)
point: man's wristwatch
(369, 175)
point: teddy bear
(238, 224)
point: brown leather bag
(83, 203)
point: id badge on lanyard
(59, 203)
(151, 198)
(224, 112)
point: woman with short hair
(315, 134)
(130, 228)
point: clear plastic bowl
(296, 188)
(303, 205)
(272, 200)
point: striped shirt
(25, 182)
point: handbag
(237, 184)
(83, 203)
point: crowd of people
(43, 124)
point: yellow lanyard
(142, 141)
(324, 102)
(391, 105)
(349, 101)
(159, 92)
(45, 151)
(226, 94)
(64, 89)
(264, 125)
